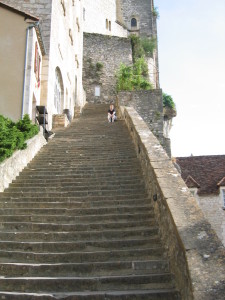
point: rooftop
(207, 173)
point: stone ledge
(197, 256)
(11, 167)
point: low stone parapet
(197, 256)
(60, 121)
(11, 167)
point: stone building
(93, 33)
(21, 52)
(205, 177)
(61, 24)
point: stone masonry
(150, 107)
(196, 254)
(110, 52)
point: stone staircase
(77, 223)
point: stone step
(72, 204)
(165, 294)
(154, 253)
(43, 227)
(60, 193)
(78, 219)
(81, 269)
(59, 246)
(78, 235)
(8, 198)
(76, 211)
(102, 283)
(81, 182)
(62, 188)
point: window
(37, 64)
(84, 12)
(107, 24)
(97, 91)
(110, 27)
(133, 22)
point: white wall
(96, 13)
(66, 55)
(212, 208)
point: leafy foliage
(133, 78)
(142, 47)
(149, 45)
(13, 135)
(155, 12)
(168, 101)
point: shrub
(168, 101)
(130, 78)
(149, 45)
(13, 135)
(155, 12)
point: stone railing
(197, 257)
(11, 167)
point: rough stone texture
(60, 121)
(111, 52)
(150, 107)
(142, 11)
(196, 254)
(11, 167)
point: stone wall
(11, 167)
(213, 210)
(149, 105)
(142, 11)
(110, 52)
(197, 257)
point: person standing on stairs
(111, 114)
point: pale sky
(192, 70)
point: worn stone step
(154, 253)
(73, 204)
(40, 227)
(102, 283)
(76, 211)
(68, 188)
(62, 244)
(81, 269)
(78, 219)
(82, 182)
(165, 294)
(78, 235)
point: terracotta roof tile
(206, 171)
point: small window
(110, 26)
(97, 91)
(84, 12)
(133, 22)
(107, 24)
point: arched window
(58, 91)
(133, 22)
